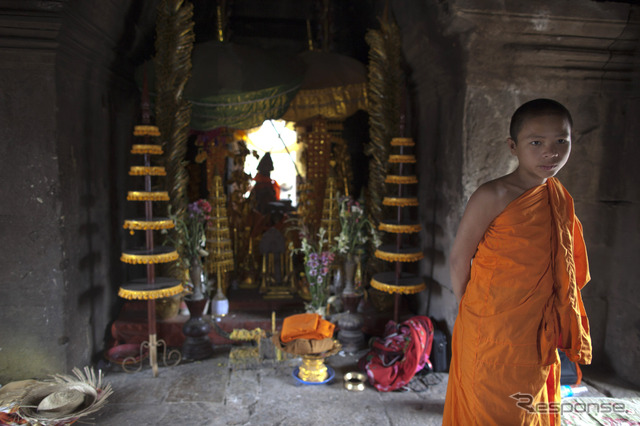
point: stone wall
(32, 254)
(472, 63)
(96, 108)
(66, 122)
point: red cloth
(400, 354)
(11, 419)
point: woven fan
(65, 399)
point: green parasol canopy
(238, 86)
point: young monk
(517, 266)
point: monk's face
(543, 145)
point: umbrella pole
(285, 147)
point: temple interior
(71, 90)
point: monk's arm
(480, 211)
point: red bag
(399, 354)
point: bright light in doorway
(276, 137)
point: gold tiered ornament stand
(344, 171)
(331, 207)
(398, 282)
(151, 287)
(220, 259)
(315, 136)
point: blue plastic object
(567, 391)
(330, 377)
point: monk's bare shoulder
(498, 193)
(484, 205)
(490, 199)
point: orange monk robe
(522, 302)
(305, 326)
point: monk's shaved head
(536, 108)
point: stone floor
(214, 392)
(223, 391)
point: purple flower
(313, 272)
(193, 207)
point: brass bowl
(354, 381)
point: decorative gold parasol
(334, 86)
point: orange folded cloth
(305, 326)
(305, 346)
(521, 304)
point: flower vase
(338, 281)
(197, 344)
(322, 311)
(350, 265)
(319, 289)
(317, 307)
(350, 323)
(195, 276)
